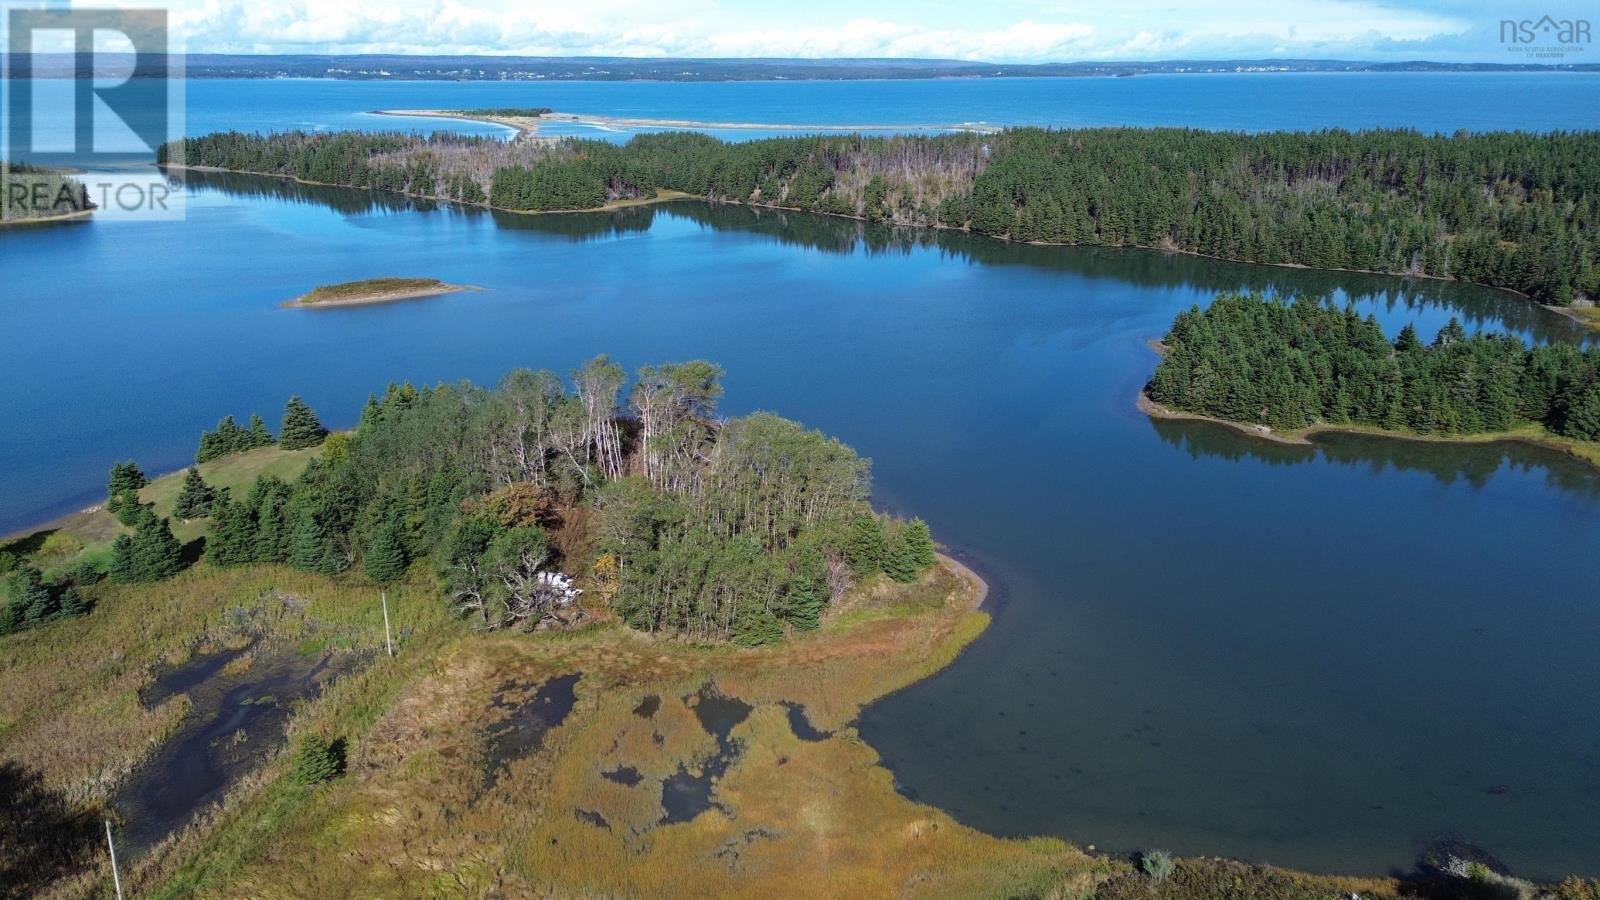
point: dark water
(522, 730)
(687, 793)
(801, 726)
(1325, 657)
(234, 723)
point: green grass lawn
(89, 533)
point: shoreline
(1303, 437)
(664, 195)
(82, 215)
(980, 587)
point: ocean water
(1326, 657)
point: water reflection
(1452, 463)
(1476, 306)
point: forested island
(31, 194)
(1304, 365)
(373, 290)
(1510, 210)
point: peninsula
(373, 290)
(550, 638)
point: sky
(989, 30)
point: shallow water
(234, 723)
(687, 792)
(522, 730)
(1326, 657)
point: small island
(374, 290)
(1286, 371)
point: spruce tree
(273, 535)
(32, 597)
(370, 415)
(864, 545)
(754, 625)
(807, 595)
(310, 549)
(73, 603)
(920, 540)
(1408, 340)
(125, 477)
(259, 435)
(385, 560)
(157, 553)
(900, 559)
(196, 498)
(122, 569)
(301, 428)
(317, 760)
(150, 554)
(129, 511)
(232, 541)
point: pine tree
(385, 560)
(865, 545)
(32, 597)
(259, 435)
(920, 540)
(755, 626)
(900, 559)
(196, 498)
(1408, 340)
(150, 554)
(317, 760)
(273, 535)
(232, 541)
(311, 548)
(807, 595)
(370, 414)
(129, 511)
(125, 477)
(73, 603)
(122, 569)
(157, 553)
(301, 428)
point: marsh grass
(416, 813)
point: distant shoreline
(527, 127)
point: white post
(116, 878)
(387, 638)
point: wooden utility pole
(116, 877)
(387, 637)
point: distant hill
(612, 68)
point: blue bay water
(1323, 657)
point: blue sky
(995, 30)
